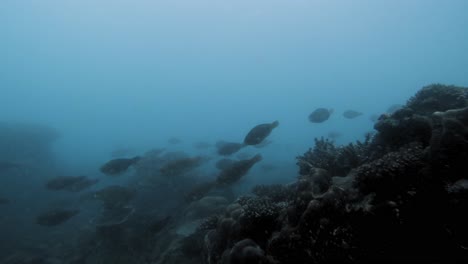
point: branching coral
(323, 155)
(336, 160)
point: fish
(235, 172)
(244, 155)
(223, 164)
(200, 190)
(70, 183)
(114, 196)
(263, 144)
(118, 166)
(257, 134)
(180, 166)
(320, 115)
(351, 114)
(228, 148)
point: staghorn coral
(353, 155)
(338, 160)
(322, 155)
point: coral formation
(275, 192)
(337, 160)
(438, 97)
(400, 196)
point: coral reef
(337, 160)
(385, 176)
(401, 196)
(438, 97)
(398, 196)
(249, 218)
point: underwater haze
(85, 82)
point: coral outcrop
(398, 196)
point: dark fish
(257, 134)
(237, 171)
(244, 155)
(350, 114)
(118, 166)
(263, 144)
(227, 148)
(223, 164)
(174, 140)
(320, 115)
(70, 183)
(180, 166)
(55, 217)
(199, 191)
(114, 196)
